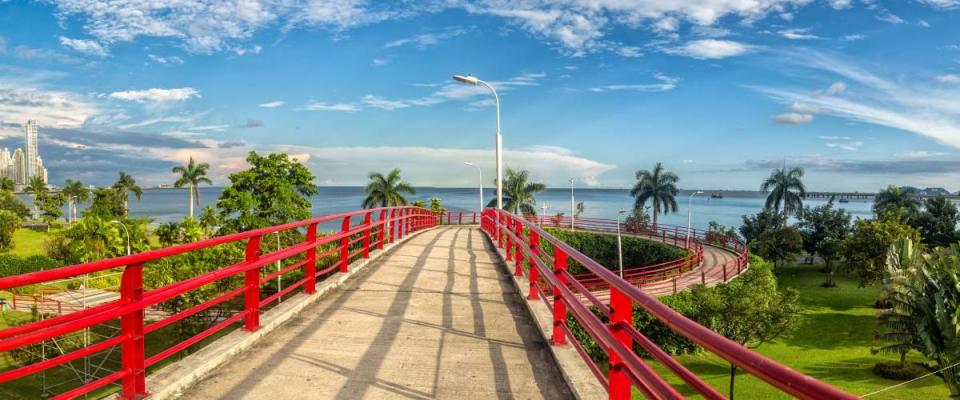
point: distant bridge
(391, 305)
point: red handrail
(392, 224)
(520, 238)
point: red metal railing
(376, 227)
(521, 239)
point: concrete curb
(583, 384)
(171, 381)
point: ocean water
(164, 205)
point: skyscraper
(5, 163)
(30, 130)
(19, 167)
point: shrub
(9, 223)
(900, 372)
(602, 248)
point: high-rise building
(41, 170)
(5, 163)
(32, 153)
(20, 167)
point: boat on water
(716, 195)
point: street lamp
(620, 243)
(573, 207)
(689, 215)
(481, 182)
(124, 231)
(472, 80)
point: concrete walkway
(436, 318)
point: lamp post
(689, 215)
(124, 231)
(620, 243)
(472, 80)
(481, 182)
(543, 213)
(573, 208)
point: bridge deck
(436, 318)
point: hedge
(602, 248)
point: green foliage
(13, 265)
(7, 185)
(657, 186)
(824, 229)
(51, 206)
(75, 192)
(208, 220)
(13, 204)
(896, 199)
(602, 248)
(386, 191)
(93, 238)
(925, 293)
(637, 220)
(419, 203)
(9, 223)
(900, 371)
(865, 250)
(938, 222)
(186, 231)
(786, 190)
(436, 205)
(755, 225)
(274, 190)
(191, 176)
(107, 204)
(519, 193)
(719, 235)
(778, 245)
(124, 184)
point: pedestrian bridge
(392, 306)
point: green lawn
(832, 343)
(28, 242)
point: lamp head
(622, 211)
(468, 163)
(468, 79)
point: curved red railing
(360, 230)
(521, 240)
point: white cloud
(321, 106)
(840, 4)
(425, 39)
(804, 108)
(157, 95)
(853, 37)
(383, 104)
(849, 146)
(798, 34)
(833, 89)
(630, 51)
(887, 16)
(271, 104)
(835, 137)
(51, 108)
(165, 60)
(88, 47)
(919, 154)
(710, 49)
(667, 83)
(949, 78)
(379, 62)
(793, 118)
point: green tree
(191, 176)
(93, 238)
(824, 229)
(419, 203)
(38, 188)
(10, 202)
(76, 192)
(898, 329)
(750, 310)
(208, 220)
(126, 184)
(107, 204)
(7, 185)
(168, 233)
(436, 205)
(865, 250)
(386, 191)
(657, 186)
(779, 245)
(9, 223)
(928, 303)
(938, 222)
(895, 198)
(755, 225)
(51, 207)
(519, 193)
(786, 190)
(274, 190)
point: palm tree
(518, 193)
(191, 176)
(39, 189)
(387, 191)
(899, 333)
(125, 184)
(786, 190)
(76, 193)
(7, 185)
(658, 186)
(894, 198)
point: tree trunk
(733, 374)
(190, 190)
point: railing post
(724, 272)
(345, 245)
(500, 218)
(510, 244)
(674, 285)
(383, 229)
(559, 307)
(703, 277)
(366, 235)
(310, 286)
(534, 272)
(474, 218)
(449, 216)
(251, 297)
(518, 231)
(131, 326)
(621, 312)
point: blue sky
(860, 93)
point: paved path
(436, 318)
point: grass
(831, 343)
(28, 242)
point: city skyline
(720, 93)
(21, 166)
